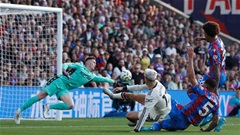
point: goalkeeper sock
(59, 106)
(30, 102)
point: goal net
(31, 52)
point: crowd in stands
(121, 34)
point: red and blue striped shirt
(201, 105)
(216, 51)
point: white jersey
(157, 103)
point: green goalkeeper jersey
(80, 75)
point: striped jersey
(216, 51)
(201, 105)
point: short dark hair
(212, 83)
(211, 28)
(88, 58)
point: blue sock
(221, 122)
(156, 126)
(206, 120)
(146, 129)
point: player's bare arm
(190, 69)
(212, 125)
(217, 71)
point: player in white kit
(157, 103)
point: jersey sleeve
(137, 87)
(150, 102)
(102, 79)
(198, 89)
(71, 65)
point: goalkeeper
(78, 75)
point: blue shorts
(222, 81)
(177, 121)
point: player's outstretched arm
(103, 79)
(190, 69)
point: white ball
(126, 75)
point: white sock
(117, 96)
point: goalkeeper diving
(78, 75)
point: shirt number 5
(205, 109)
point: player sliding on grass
(216, 61)
(157, 103)
(205, 102)
(78, 75)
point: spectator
(43, 78)
(171, 84)
(231, 61)
(234, 105)
(151, 54)
(171, 50)
(166, 79)
(99, 60)
(158, 65)
(137, 75)
(177, 80)
(201, 51)
(121, 66)
(136, 24)
(145, 60)
(13, 77)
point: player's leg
(125, 95)
(209, 118)
(221, 122)
(66, 105)
(132, 117)
(110, 94)
(41, 95)
(140, 98)
(206, 120)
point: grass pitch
(98, 126)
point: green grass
(98, 126)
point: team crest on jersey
(215, 57)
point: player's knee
(42, 95)
(129, 115)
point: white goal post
(30, 53)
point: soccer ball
(126, 75)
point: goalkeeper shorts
(56, 86)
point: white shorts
(155, 115)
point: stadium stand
(122, 30)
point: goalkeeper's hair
(211, 28)
(89, 58)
